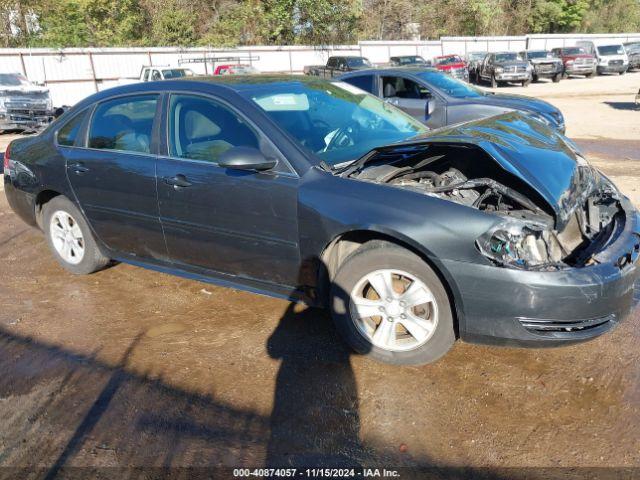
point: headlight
(514, 245)
(499, 69)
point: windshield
(13, 79)
(539, 54)
(410, 60)
(354, 62)
(448, 60)
(449, 85)
(336, 121)
(176, 73)
(507, 57)
(477, 56)
(611, 50)
(573, 51)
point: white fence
(71, 74)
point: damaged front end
(540, 228)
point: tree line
(105, 23)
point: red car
(576, 61)
(235, 70)
(452, 65)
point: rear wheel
(388, 304)
(70, 238)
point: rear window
(69, 132)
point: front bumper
(612, 68)
(530, 308)
(512, 77)
(542, 72)
(580, 69)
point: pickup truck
(23, 105)
(576, 61)
(502, 67)
(336, 66)
(151, 74)
(544, 64)
(452, 65)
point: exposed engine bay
(531, 235)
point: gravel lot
(129, 367)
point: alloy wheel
(394, 310)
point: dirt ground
(130, 367)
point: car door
(485, 72)
(112, 175)
(240, 223)
(416, 99)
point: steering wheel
(344, 137)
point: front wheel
(525, 83)
(494, 82)
(390, 305)
(557, 77)
(70, 239)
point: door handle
(179, 181)
(78, 168)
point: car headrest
(197, 125)
(389, 90)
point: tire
(525, 83)
(534, 79)
(494, 83)
(375, 260)
(622, 72)
(588, 75)
(82, 256)
(557, 77)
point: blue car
(494, 231)
(438, 99)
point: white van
(611, 55)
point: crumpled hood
(23, 89)
(537, 61)
(547, 161)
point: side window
(156, 75)
(363, 82)
(69, 132)
(403, 88)
(124, 124)
(203, 129)
(145, 77)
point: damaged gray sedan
(494, 231)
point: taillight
(6, 157)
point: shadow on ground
(623, 105)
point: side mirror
(430, 106)
(246, 158)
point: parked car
(576, 61)
(436, 99)
(23, 105)
(633, 52)
(543, 65)
(337, 66)
(491, 231)
(473, 61)
(409, 60)
(452, 65)
(235, 70)
(501, 67)
(610, 55)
